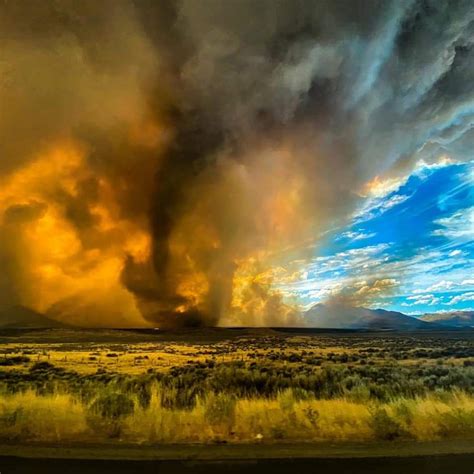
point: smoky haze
(161, 160)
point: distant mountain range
(336, 316)
(329, 316)
(459, 319)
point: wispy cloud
(469, 296)
(428, 299)
(356, 235)
(376, 207)
(459, 225)
(420, 237)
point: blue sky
(409, 248)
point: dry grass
(47, 418)
(59, 417)
(84, 358)
(360, 374)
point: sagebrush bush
(385, 427)
(112, 406)
(220, 409)
(457, 422)
(105, 415)
(16, 360)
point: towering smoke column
(162, 160)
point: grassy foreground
(28, 416)
(235, 387)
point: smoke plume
(161, 160)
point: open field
(235, 386)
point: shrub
(287, 400)
(301, 394)
(181, 399)
(404, 412)
(107, 412)
(112, 406)
(359, 393)
(384, 426)
(457, 422)
(16, 360)
(220, 409)
(42, 367)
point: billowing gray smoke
(273, 115)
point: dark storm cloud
(66, 65)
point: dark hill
(455, 319)
(338, 316)
(23, 317)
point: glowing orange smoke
(66, 227)
(221, 250)
(61, 260)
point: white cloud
(378, 206)
(459, 225)
(356, 235)
(443, 285)
(469, 296)
(429, 300)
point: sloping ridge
(23, 317)
(457, 319)
(336, 316)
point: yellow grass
(131, 359)
(429, 417)
(29, 416)
(135, 358)
(49, 418)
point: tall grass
(290, 416)
(27, 415)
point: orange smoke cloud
(255, 301)
(221, 250)
(131, 221)
(83, 251)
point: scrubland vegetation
(223, 418)
(279, 388)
